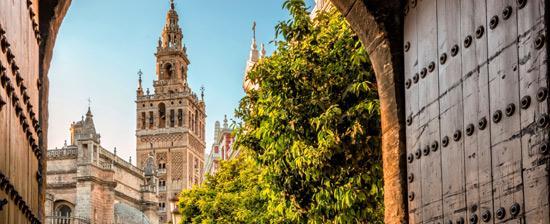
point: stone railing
(66, 220)
(185, 93)
(162, 188)
(161, 171)
(62, 153)
(119, 162)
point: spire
(171, 34)
(216, 131)
(252, 60)
(253, 46)
(89, 113)
(225, 125)
(202, 93)
(140, 88)
(254, 34)
(253, 57)
(262, 51)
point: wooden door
(21, 176)
(477, 111)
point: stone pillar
(48, 205)
(83, 207)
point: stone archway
(378, 23)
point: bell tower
(171, 120)
(172, 60)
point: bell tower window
(168, 71)
(162, 115)
(172, 118)
(151, 119)
(180, 117)
(143, 120)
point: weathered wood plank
(411, 107)
(451, 110)
(504, 91)
(478, 162)
(4, 147)
(428, 122)
(532, 74)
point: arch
(162, 115)
(168, 71)
(379, 25)
(63, 208)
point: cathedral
(89, 184)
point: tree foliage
(233, 195)
(312, 129)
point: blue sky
(103, 43)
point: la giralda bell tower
(171, 121)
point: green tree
(309, 137)
(313, 124)
(233, 195)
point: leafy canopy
(233, 195)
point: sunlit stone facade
(88, 184)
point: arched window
(162, 115)
(168, 71)
(63, 211)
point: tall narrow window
(172, 118)
(162, 115)
(143, 120)
(180, 117)
(196, 121)
(151, 119)
(189, 124)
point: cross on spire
(89, 102)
